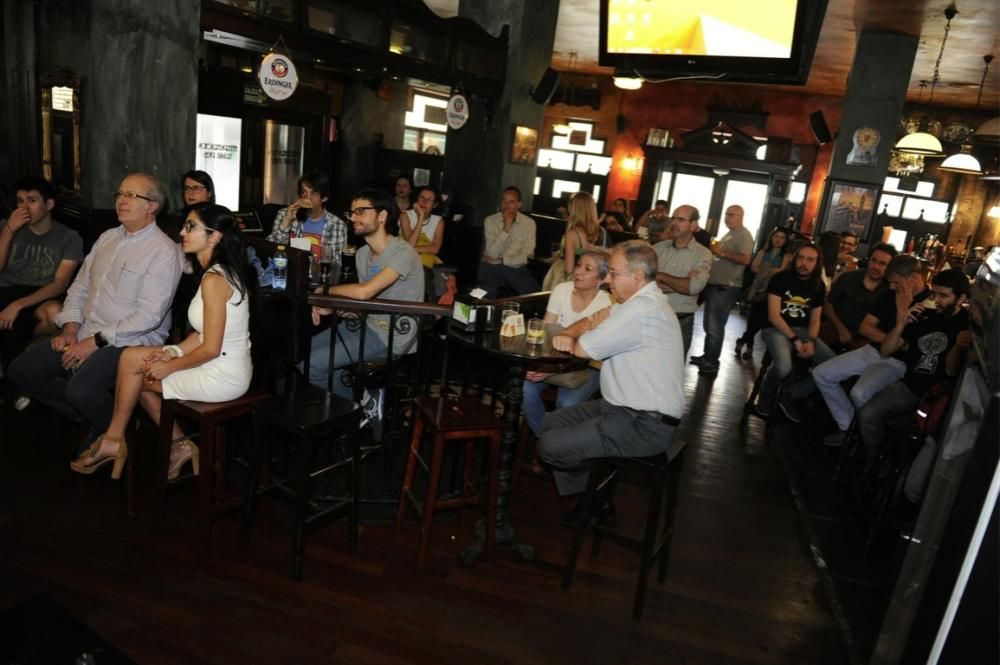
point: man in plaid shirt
(327, 231)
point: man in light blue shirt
(121, 297)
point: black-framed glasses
(132, 195)
(189, 226)
(194, 188)
(357, 212)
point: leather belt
(663, 418)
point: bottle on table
(280, 282)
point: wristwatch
(99, 340)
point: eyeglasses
(188, 227)
(679, 219)
(132, 195)
(194, 188)
(619, 273)
(357, 212)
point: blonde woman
(582, 232)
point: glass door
(752, 196)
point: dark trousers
(492, 277)
(13, 341)
(86, 395)
(573, 436)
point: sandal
(89, 462)
(182, 450)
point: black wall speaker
(546, 86)
(820, 129)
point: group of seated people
(633, 307)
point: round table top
(516, 347)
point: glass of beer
(536, 331)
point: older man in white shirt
(121, 297)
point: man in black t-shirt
(930, 338)
(874, 371)
(795, 299)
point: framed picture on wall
(525, 145)
(849, 206)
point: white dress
(227, 376)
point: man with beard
(875, 371)
(795, 298)
(388, 268)
(683, 267)
(931, 338)
(852, 294)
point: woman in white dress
(568, 303)
(211, 365)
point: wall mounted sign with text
(277, 76)
(458, 111)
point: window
(580, 139)
(561, 188)
(555, 159)
(925, 188)
(797, 192)
(424, 124)
(217, 150)
(933, 211)
(891, 205)
(752, 196)
(697, 191)
(662, 188)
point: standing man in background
(732, 255)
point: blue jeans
(345, 353)
(533, 408)
(782, 353)
(719, 301)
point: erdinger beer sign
(277, 76)
(458, 111)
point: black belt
(665, 419)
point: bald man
(121, 297)
(732, 256)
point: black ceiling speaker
(546, 86)
(820, 129)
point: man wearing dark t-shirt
(795, 298)
(930, 338)
(874, 371)
(853, 293)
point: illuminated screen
(730, 28)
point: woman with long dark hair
(773, 258)
(211, 365)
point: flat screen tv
(765, 41)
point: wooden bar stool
(211, 419)
(450, 419)
(309, 417)
(664, 473)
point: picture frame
(850, 206)
(524, 146)
(658, 138)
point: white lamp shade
(920, 143)
(988, 132)
(961, 162)
(627, 82)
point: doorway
(711, 191)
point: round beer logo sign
(277, 76)
(458, 111)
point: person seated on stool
(308, 218)
(38, 257)
(568, 303)
(795, 298)
(642, 379)
(874, 371)
(510, 240)
(931, 338)
(120, 297)
(212, 365)
(423, 229)
(389, 268)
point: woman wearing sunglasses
(211, 365)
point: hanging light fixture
(562, 128)
(922, 142)
(962, 162)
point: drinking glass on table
(536, 331)
(509, 309)
(326, 258)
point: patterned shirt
(125, 288)
(334, 233)
(643, 353)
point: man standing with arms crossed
(732, 255)
(683, 267)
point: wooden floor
(742, 587)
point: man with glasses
(510, 240)
(308, 218)
(121, 297)
(642, 380)
(683, 267)
(732, 256)
(388, 268)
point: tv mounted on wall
(766, 41)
